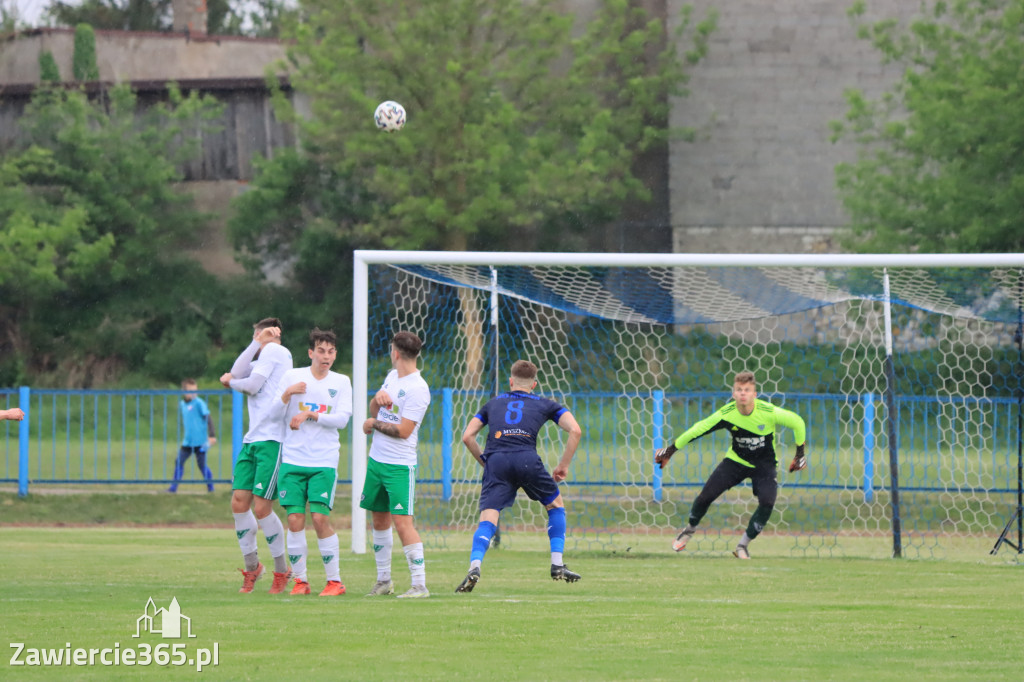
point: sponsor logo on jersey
(497, 435)
(332, 391)
(760, 427)
(517, 432)
(401, 393)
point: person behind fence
(14, 414)
(510, 461)
(257, 372)
(199, 436)
(751, 424)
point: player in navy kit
(511, 462)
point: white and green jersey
(410, 398)
(316, 442)
(273, 362)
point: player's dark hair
(188, 381)
(407, 344)
(524, 370)
(267, 323)
(745, 377)
(318, 336)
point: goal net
(906, 369)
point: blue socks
(482, 540)
(556, 529)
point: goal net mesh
(639, 354)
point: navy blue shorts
(506, 472)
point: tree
(306, 218)
(515, 126)
(113, 15)
(48, 70)
(941, 154)
(83, 60)
(92, 230)
(261, 18)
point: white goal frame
(362, 259)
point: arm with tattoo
(386, 428)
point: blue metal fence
(132, 437)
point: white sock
(245, 531)
(475, 563)
(297, 554)
(744, 541)
(273, 531)
(329, 551)
(556, 558)
(417, 564)
(382, 543)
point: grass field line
(649, 615)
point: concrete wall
(760, 177)
(124, 56)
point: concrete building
(232, 69)
(760, 176)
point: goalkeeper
(751, 423)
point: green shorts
(256, 468)
(307, 484)
(389, 488)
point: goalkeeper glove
(799, 460)
(662, 456)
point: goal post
(904, 367)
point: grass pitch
(645, 615)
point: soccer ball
(390, 116)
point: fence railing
(133, 436)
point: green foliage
(114, 15)
(265, 18)
(298, 213)
(83, 60)
(10, 16)
(516, 128)
(223, 17)
(93, 274)
(941, 162)
(48, 71)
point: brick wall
(760, 176)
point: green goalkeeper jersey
(753, 435)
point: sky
(29, 11)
